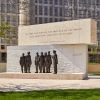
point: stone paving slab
(40, 84)
(69, 76)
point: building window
(40, 1)
(8, 8)
(3, 57)
(98, 49)
(98, 23)
(36, 21)
(14, 20)
(2, 18)
(2, 46)
(99, 43)
(89, 49)
(35, 10)
(51, 1)
(98, 38)
(45, 10)
(14, 8)
(60, 19)
(60, 12)
(56, 19)
(8, 19)
(51, 19)
(45, 1)
(3, 8)
(45, 20)
(56, 11)
(40, 20)
(56, 2)
(51, 11)
(60, 2)
(94, 58)
(36, 1)
(97, 1)
(40, 10)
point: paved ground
(37, 84)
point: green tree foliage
(5, 35)
(4, 27)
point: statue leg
(40, 68)
(49, 68)
(25, 69)
(22, 68)
(55, 68)
(36, 68)
(28, 69)
(43, 68)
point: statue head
(54, 51)
(23, 54)
(28, 53)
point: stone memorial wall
(67, 32)
(70, 39)
(71, 58)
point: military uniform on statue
(55, 61)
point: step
(71, 76)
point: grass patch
(88, 94)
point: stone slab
(81, 31)
(7, 84)
(72, 76)
(71, 58)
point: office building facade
(8, 15)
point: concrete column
(24, 16)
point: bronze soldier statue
(55, 61)
(46, 62)
(37, 59)
(22, 62)
(41, 63)
(25, 67)
(49, 62)
(29, 62)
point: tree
(4, 28)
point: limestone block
(71, 58)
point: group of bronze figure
(25, 63)
(42, 62)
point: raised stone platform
(71, 76)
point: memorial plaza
(40, 84)
(50, 57)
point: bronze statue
(41, 63)
(28, 62)
(49, 62)
(37, 59)
(55, 61)
(22, 62)
(46, 62)
(25, 67)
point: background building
(45, 11)
(8, 14)
(41, 11)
